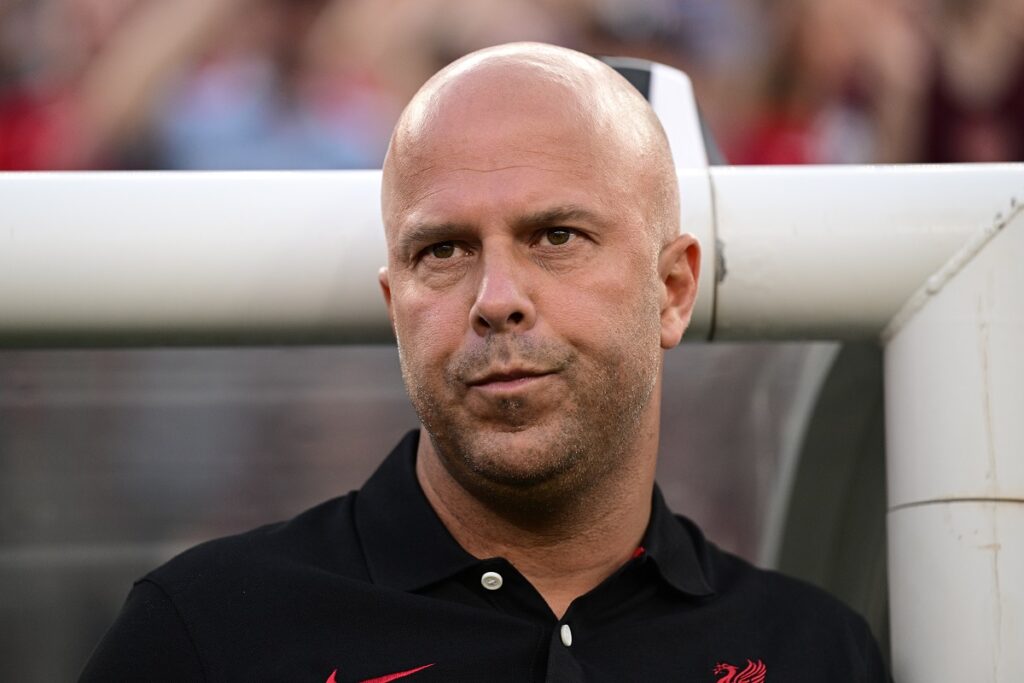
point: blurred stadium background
(113, 460)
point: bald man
(536, 274)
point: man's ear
(385, 288)
(679, 271)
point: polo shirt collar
(407, 547)
(678, 549)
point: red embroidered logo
(753, 673)
(387, 678)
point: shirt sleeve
(148, 642)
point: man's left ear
(679, 271)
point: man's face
(524, 292)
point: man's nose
(503, 302)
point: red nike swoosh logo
(388, 677)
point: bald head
(544, 98)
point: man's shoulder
(781, 610)
(245, 602)
(774, 593)
(322, 538)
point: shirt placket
(562, 662)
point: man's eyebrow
(429, 233)
(558, 215)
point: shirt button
(491, 581)
(566, 634)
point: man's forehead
(508, 141)
(521, 190)
(516, 171)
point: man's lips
(510, 378)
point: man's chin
(515, 458)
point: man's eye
(442, 250)
(558, 236)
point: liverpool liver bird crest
(754, 672)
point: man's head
(535, 272)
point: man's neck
(571, 551)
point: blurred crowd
(261, 84)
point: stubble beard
(534, 460)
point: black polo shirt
(371, 587)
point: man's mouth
(507, 378)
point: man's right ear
(385, 289)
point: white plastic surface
(956, 592)
(671, 96)
(955, 383)
(238, 255)
(834, 252)
(954, 377)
